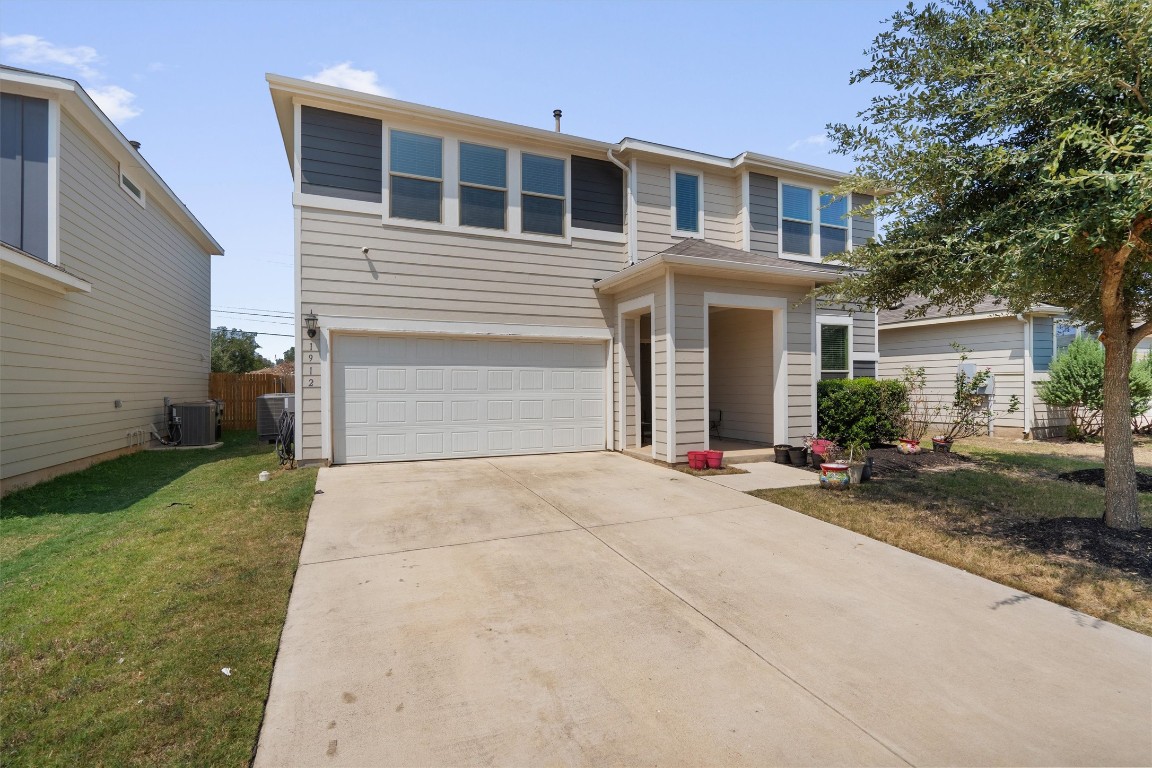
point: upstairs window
(833, 225)
(483, 186)
(686, 203)
(796, 220)
(416, 176)
(835, 362)
(542, 199)
(24, 174)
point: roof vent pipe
(557, 114)
(135, 145)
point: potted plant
(970, 412)
(781, 452)
(819, 448)
(919, 413)
(859, 465)
(834, 472)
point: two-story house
(469, 287)
(105, 285)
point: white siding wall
(141, 334)
(996, 343)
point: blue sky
(187, 80)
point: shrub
(854, 411)
(1076, 382)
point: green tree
(290, 355)
(234, 351)
(1013, 139)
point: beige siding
(660, 345)
(721, 207)
(692, 423)
(997, 343)
(740, 372)
(140, 335)
(422, 274)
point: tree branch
(1135, 235)
(1137, 334)
(1134, 90)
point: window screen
(834, 352)
(542, 199)
(833, 224)
(483, 186)
(687, 202)
(416, 168)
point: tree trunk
(1121, 503)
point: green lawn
(1005, 517)
(127, 588)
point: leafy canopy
(1014, 141)
(234, 351)
(1076, 382)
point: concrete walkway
(765, 474)
(589, 609)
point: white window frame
(566, 219)
(814, 237)
(461, 184)
(846, 226)
(445, 153)
(822, 320)
(142, 198)
(676, 232)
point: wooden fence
(239, 392)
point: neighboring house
(1018, 349)
(480, 288)
(104, 285)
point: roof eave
(641, 270)
(70, 90)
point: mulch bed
(887, 461)
(1096, 477)
(1083, 538)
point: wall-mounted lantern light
(311, 324)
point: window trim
(386, 197)
(566, 214)
(814, 237)
(835, 320)
(142, 198)
(460, 184)
(53, 255)
(699, 175)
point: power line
(281, 315)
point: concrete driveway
(593, 609)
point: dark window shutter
(597, 195)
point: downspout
(630, 232)
(1028, 374)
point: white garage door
(397, 398)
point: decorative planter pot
(715, 459)
(834, 476)
(908, 446)
(866, 475)
(698, 459)
(799, 456)
(781, 452)
(941, 446)
(856, 472)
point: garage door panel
(409, 398)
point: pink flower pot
(715, 459)
(697, 459)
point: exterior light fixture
(311, 324)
